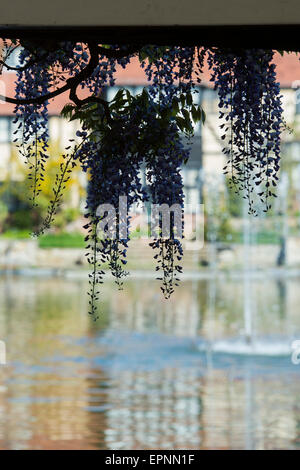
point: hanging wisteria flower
(166, 187)
(251, 111)
(171, 77)
(32, 120)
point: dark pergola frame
(279, 37)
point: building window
(111, 92)
(14, 131)
(4, 129)
(210, 99)
(13, 59)
(297, 92)
(197, 99)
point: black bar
(279, 37)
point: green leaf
(182, 100)
(181, 123)
(186, 115)
(142, 55)
(175, 107)
(189, 99)
(67, 111)
(195, 114)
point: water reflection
(138, 378)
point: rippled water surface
(150, 373)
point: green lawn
(261, 238)
(76, 239)
(16, 234)
(62, 240)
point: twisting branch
(17, 69)
(38, 100)
(28, 64)
(73, 82)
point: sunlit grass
(62, 240)
(16, 234)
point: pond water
(150, 374)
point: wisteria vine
(251, 111)
(149, 132)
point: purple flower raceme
(113, 174)
(251, 114)
(166, 188)
(171, 77)
(32, 120)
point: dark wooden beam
(279, 37)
